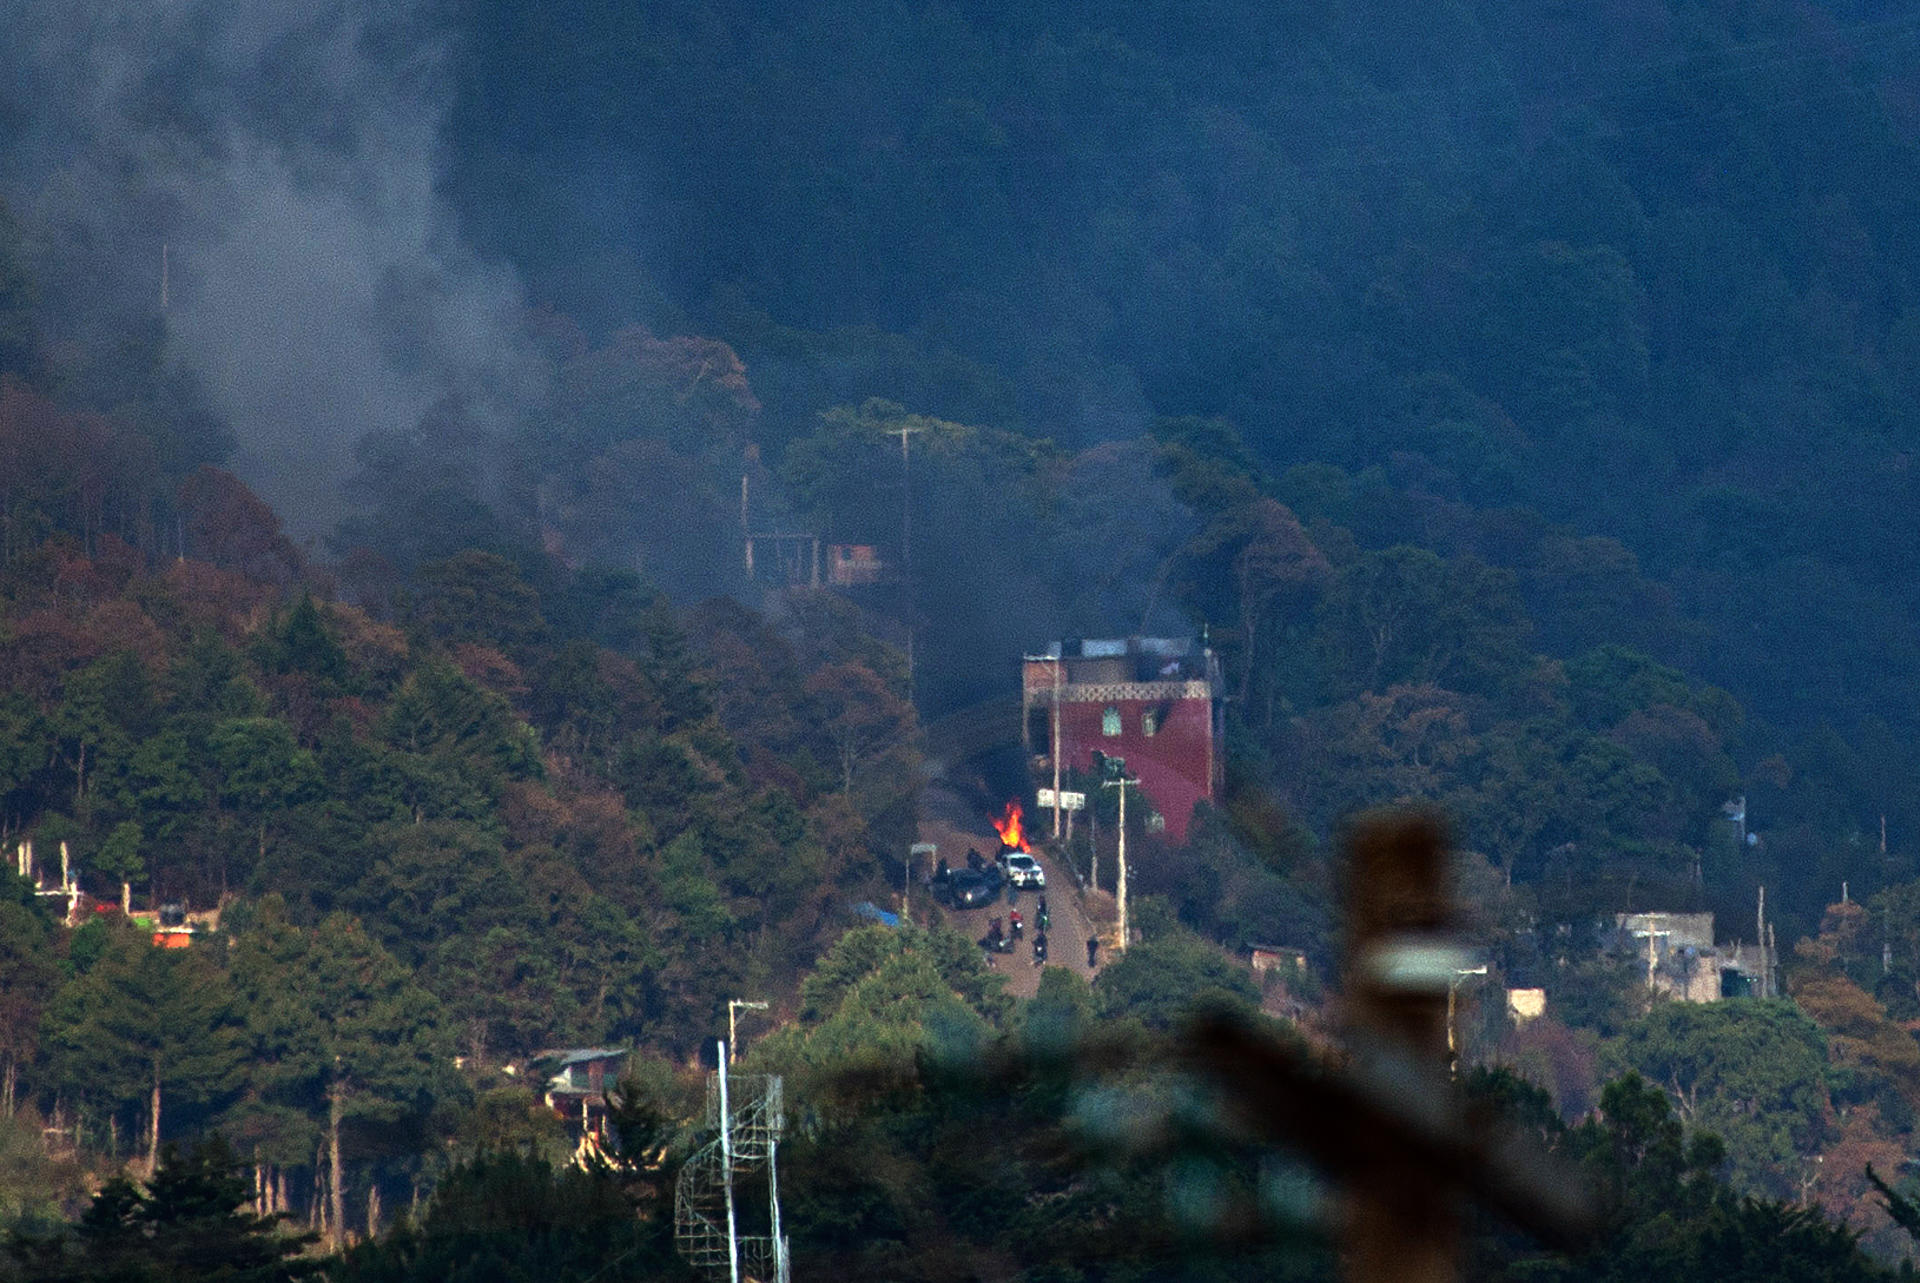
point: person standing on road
(1093, 952)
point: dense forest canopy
(1646, 272)
(1521, 400)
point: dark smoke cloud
(286, 153)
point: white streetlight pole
(734, 1008)
(726, 1163)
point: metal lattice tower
(747, 1113)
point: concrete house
(1155, 701)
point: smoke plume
(272, 168)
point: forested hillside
(1520, 400)
(1644, 270)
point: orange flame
(1012, 836)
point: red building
(1154, 701)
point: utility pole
(1059, 662)
(905, 432)
(734, 1008)
(726, 1163)
(1120, 888)
(1093, 847)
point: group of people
(1001, 938)
(1002, 935)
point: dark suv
(972, 888)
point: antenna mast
(747, 1112)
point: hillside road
(951, 821)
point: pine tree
(158, 1025)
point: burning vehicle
(1016, 856)
(1012, 831)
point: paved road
(954, 822)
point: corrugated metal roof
(574, 1057)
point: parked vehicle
(971, 888)
(1025, 871)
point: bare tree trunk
(153, 1137)
(279, 1190)
(336, 1097)
(7, 1082)
(373, 1211)
(317, 1209)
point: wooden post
(1402, 1224)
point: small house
(578, 1084)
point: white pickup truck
(1025, 871)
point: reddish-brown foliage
(118, 625)
(489, 668)
(63, 470)
(226, 601)
(230, 526)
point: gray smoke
(285, 154)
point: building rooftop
(1116, 647)
(1101, 662)
(562, 1057)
